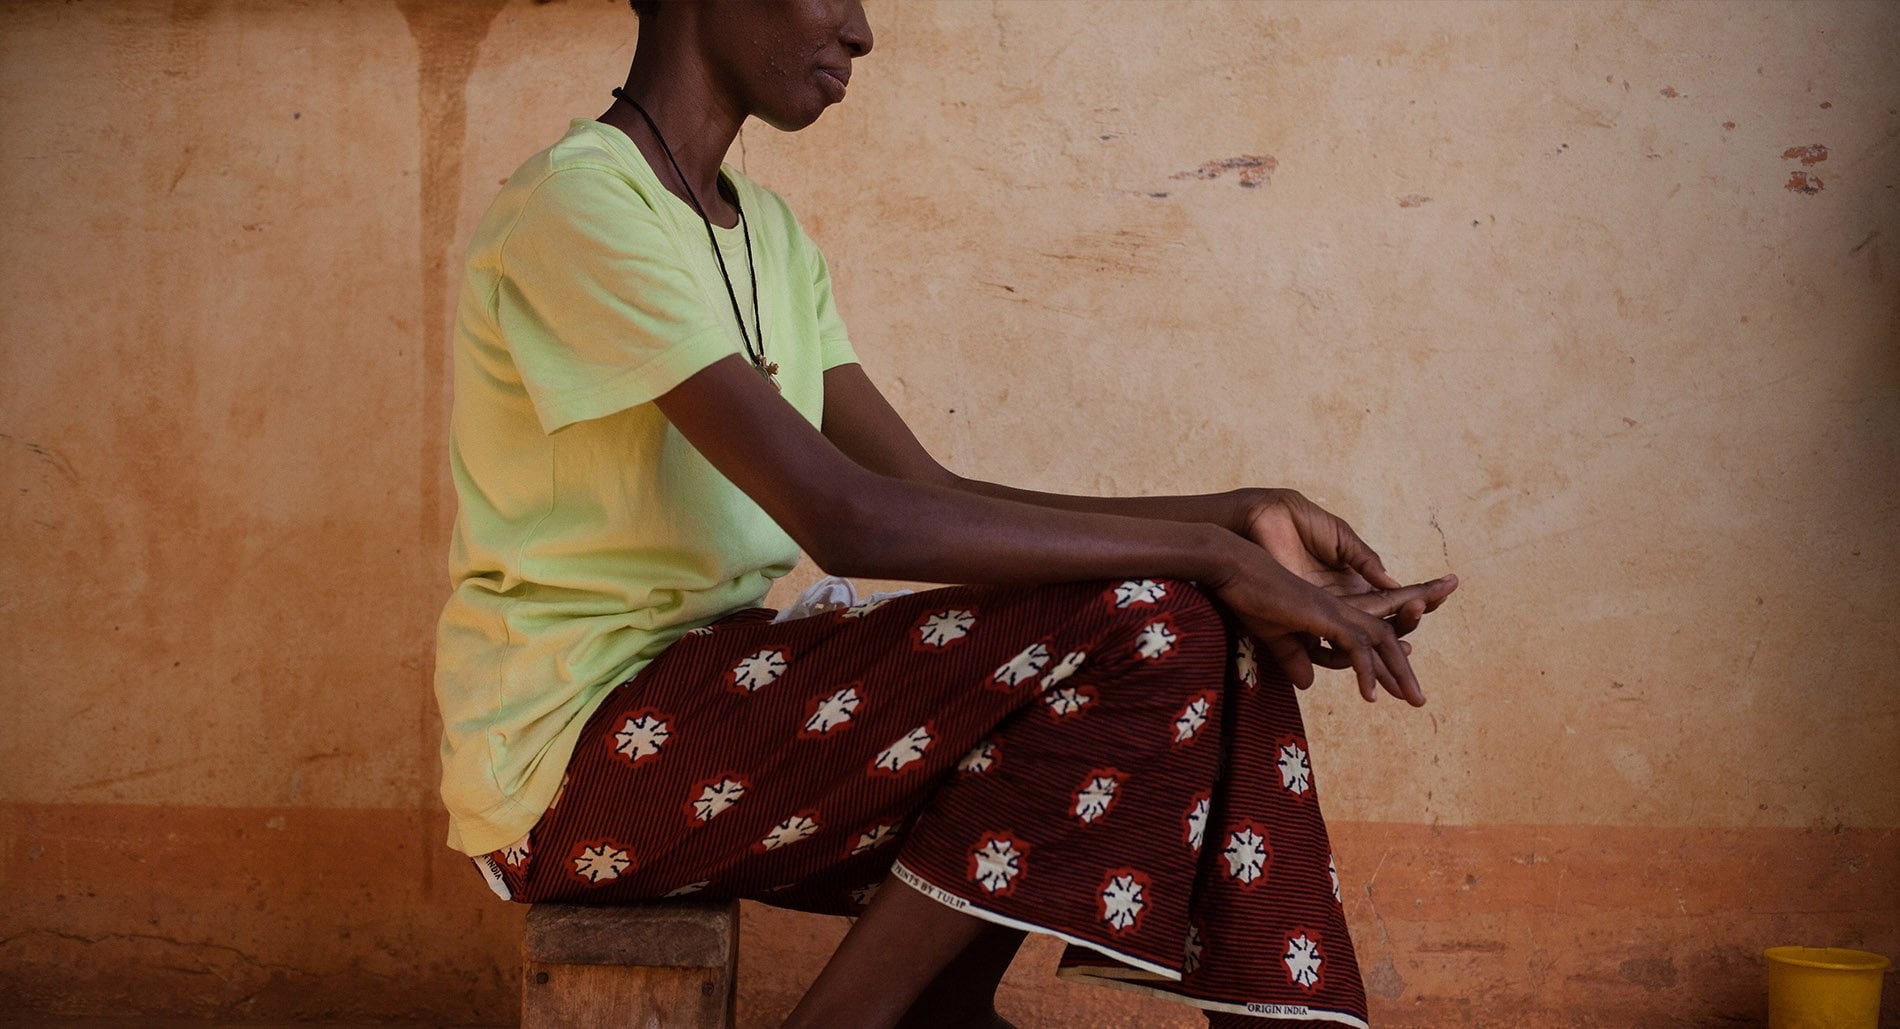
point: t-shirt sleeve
(598, 309)
(834, 344)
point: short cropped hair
(643, 8)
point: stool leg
(600, 996)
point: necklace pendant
(770, 371)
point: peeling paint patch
(1804, 182)
(1729, 125)
(1413, 200)
(1254, 169)
(1670, 92)
(1385, 980)
(1810, 155)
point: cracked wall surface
(1592, 304)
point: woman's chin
(792, 121)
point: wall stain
(1809, 156)
(1670, 92)
(448, 37)
(1804, 182)
(1414, 200)
(1255, 169)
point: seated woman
(657, 406)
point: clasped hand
(1314, 593)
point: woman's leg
(963, 995)
(889, 959)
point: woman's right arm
(853, 521)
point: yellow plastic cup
(1823, 988)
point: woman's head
(783, 61)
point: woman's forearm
(897, 529)
(1226, 510)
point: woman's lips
(833, 83)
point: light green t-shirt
(591, 535)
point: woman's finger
(1363, 661)
(1363, 559)
(1340, 582)
(1325, 656)
(1387, 602)
(1409, 615)
(1293, 659)
(1404, 680)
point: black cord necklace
(769, 369)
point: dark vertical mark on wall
(448, 35)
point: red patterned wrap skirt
(1111, 763)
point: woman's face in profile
(787, 59)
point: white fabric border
(956, 903)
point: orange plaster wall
(1523, 290)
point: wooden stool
(665, 965)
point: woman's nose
(856, 33)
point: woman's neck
(698, 119)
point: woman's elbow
(851, 537)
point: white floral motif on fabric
(877, 837)
(1096, 795)
(1246, 665)
(828, 713)
(1302, 959)
(995, 863)
(757, 671)
(1023, 666)
(859, 610)
(601, 862)
(793, 829)
(945, 627)
(1193, 715)
(1068, 700)
(1295, 774)
(1064, 668)
(1135, 592)
(1332, 869)
(1155, 640)
(1191, 960)
(516, 854)
(1247, 854)
(863, 894)
(641, 738)
(704, 630)
(688, 888)
(1122, 898)
(1197, 823)
(715, 797)
(906, 751)
(980, 759)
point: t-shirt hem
(835, 352)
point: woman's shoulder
(584, 170)
(769, 211)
